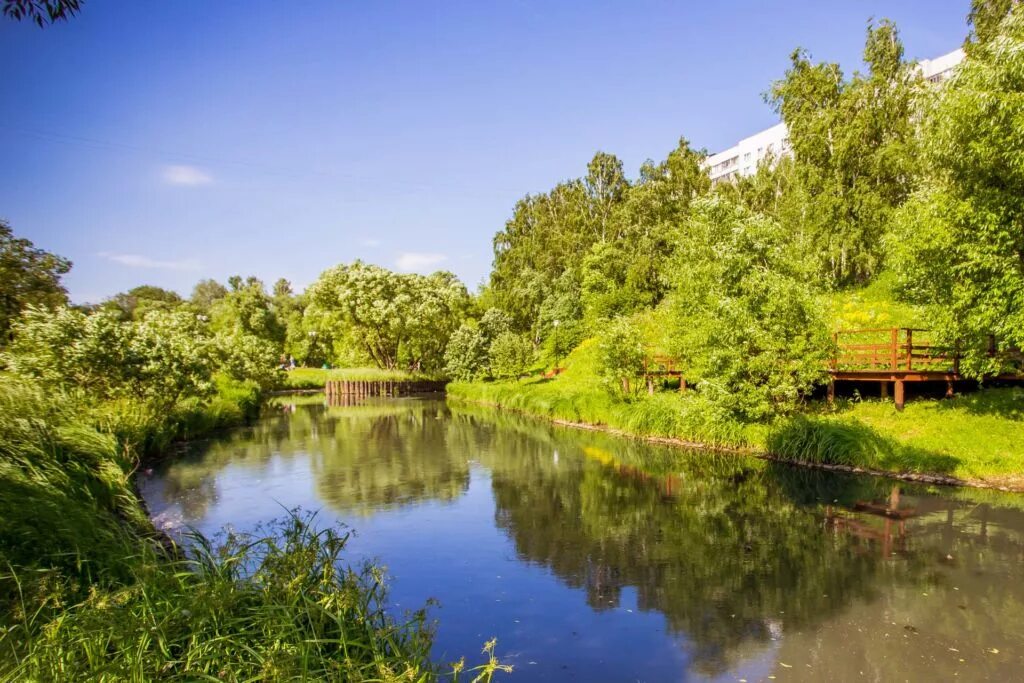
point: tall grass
(276, 607)
(88, 590)
(828, 442)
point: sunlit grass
(276, 607)
(89, 592)
(977, 436)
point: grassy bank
(317, 378)
(974, 437)
(87, 590)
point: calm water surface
(593, 558)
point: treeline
(890, 176)
(890, 179)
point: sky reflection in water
(596, 558)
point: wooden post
(949, 388)
(910, 349)
(650, 386)
(831, 391)
(893, 346)
(885, 390)
(682, 384)
(899, 394)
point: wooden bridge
(898, 355)
(890, 356)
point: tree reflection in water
(740, 556)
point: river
(596, 558)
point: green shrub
(621, 359)
(511, 355)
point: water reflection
(755, 568)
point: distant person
(291, 362)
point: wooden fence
(896, 349)
(383, 388)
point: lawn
(976, 436)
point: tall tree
(984, 19)
(745, 322)
(28, 276)
(960, 241)
(206, 293)
(137, 301)
(853, 142)
(248, 310)
(393, 318)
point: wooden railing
(897, 349)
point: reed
(88, 590)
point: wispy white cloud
(369, 242)
(412, 261)
(186, 175)
(138, 261)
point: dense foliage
(960, 242)
(854, 154)
(393, 319)
(747, 325)
(29, 276)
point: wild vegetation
(88, 589)
(902, 203)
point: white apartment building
(742, 158)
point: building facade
(742, 158)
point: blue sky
(164, 142)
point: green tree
(29, 277)
(855, 159)
(206, 293)
(468, 354)
(510, 355)
(621, 355)
(393, 318)
(747, 326)
(466, 357)
(247, 309)
(959, 245)
(984, 19)
(164, 357)
(137, 301)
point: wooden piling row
(380, 388)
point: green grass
(316, 378)
(88, 589)
(277, 607)
(977, 437)
(579, 395)
(873, 306)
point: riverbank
(87, 589)
(971, 440)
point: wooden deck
(894, 356)
(889, 356)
